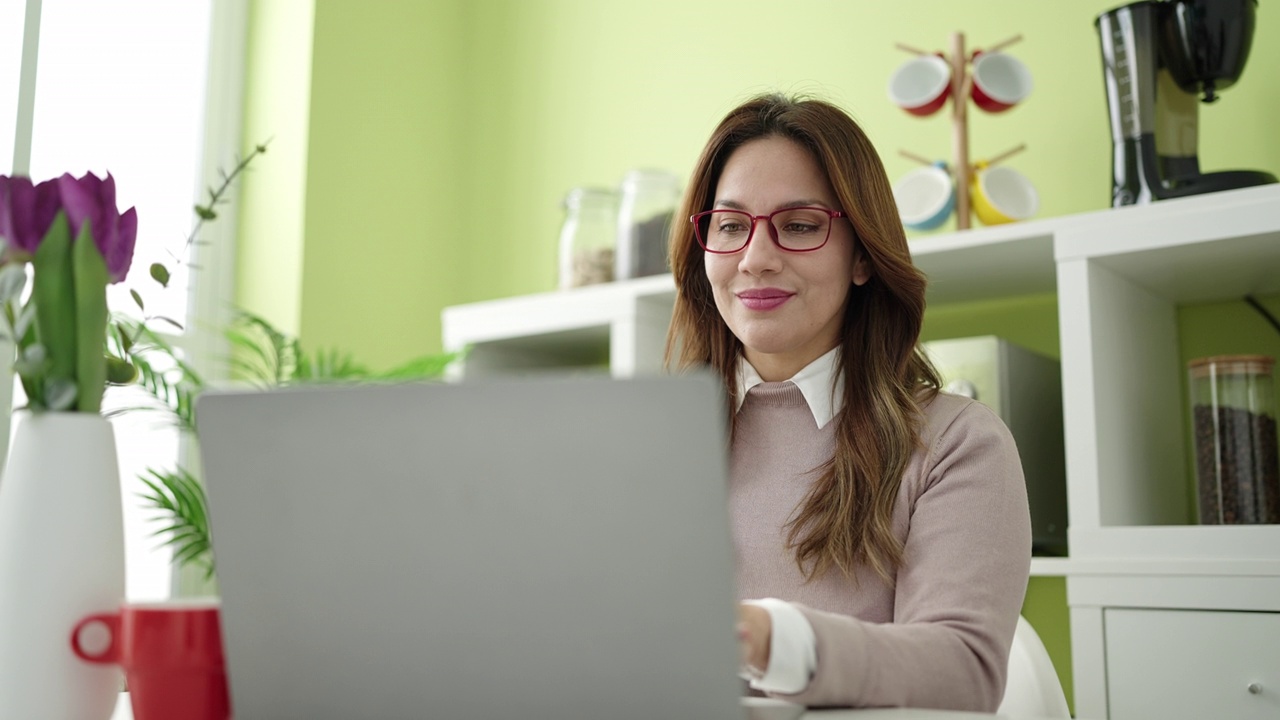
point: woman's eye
(731, 227)
(796, 228)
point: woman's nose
(762, 254)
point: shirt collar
(819, 382)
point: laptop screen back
(550, 547)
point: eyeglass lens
(794, 229)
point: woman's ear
(861, 269)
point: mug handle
(109, 656)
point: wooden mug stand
(961, 84)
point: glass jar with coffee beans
(587, 237)
(1233, 419)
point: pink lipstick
(764, 298)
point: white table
(123, 713)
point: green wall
(273, 192)
(421, 150)
(441, 136)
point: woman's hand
(755, 628)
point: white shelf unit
(1120, 275)
(623, 324)
(1142, 583)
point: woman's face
(785, 307)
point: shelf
(584, 308)
(989, 263)
(1187, 250)
(1257, 544)
(1120, 281)
(619, 325)
(598, 324)
(1050, 566)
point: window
(120, 87)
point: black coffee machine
(1158, 58)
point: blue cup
(925, 197)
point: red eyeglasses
(798, 229)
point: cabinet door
(1173, 664)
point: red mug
(171, 653)
(921, 85)
(1000, 81)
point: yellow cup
(1002, 195)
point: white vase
(61, 559)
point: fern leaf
(181, 502)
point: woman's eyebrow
(735, 205)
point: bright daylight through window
(120, 88)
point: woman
(881, 526)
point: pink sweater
(941, 638)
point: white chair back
(1032, 689)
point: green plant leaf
(13, 279)
(159, 344)
(160, 274)
(174, 389)
(256, 362)
(274, 355)
(120, 372)
(31, 365)
(171, 528)
(170, 321)
(59, 393)
(181, 501)
(421, 368)
(89, 270)
(157, 498)
(137, 299)
(23, 324)
(189, 552)
(122, 335)
(53, 292)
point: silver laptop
(555, 547)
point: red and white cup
(1000, 81)
(171, 653)
(921, 85)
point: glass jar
(588, 236)
(649, 198)
(1234, 428)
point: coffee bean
(1237, 468)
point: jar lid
(579, 196)
(1231, 364)
(650, 177)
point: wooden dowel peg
(914, 51)
(966, 87)
(1004, 44)
(1007, 154)
(918, 158)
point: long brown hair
(846, 517)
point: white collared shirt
(821, 385)
(793, 648)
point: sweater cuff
(793, 654)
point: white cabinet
(1156, 667)
(1120, 275)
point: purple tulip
(26, 212)
(94, 199)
